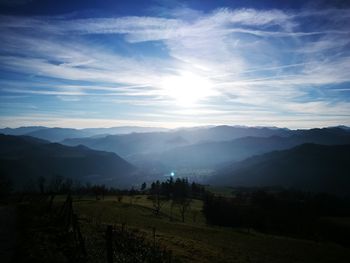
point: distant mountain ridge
(152, 142)
(26, 158)
(195, 148)
(213, 153)
(207, 147)
(155, 154)
(57, 134)
(308, 167)
(21, 130)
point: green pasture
(194, 241)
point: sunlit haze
(174, 63)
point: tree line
(179, 192)
(284, 212)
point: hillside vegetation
(196, 242)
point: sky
(90, 63)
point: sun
(187, 89)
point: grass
(41, 239)
(220, 190)
(194, 241)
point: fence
(111, 243)
(71, 223)
(124, 245)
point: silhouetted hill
(209, 154)
(225, 133)
(24, 158)
(158, 142)
(59, 134)
(310, 167)
(125, 145)
(324, 136)
(123, 130)
(197, 148)
(21, 130)
(188, 135)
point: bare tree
(156, 196)
(183, 205)
(56, 183)
(41, 184)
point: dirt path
(8, 233)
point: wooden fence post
(78, 236)
(70, 211)
(154, 237)
(51, 203)
(170, 256)
(109, 245)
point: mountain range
(207, 147)
(308, 167)
(212, 154)
(24, 159)
(231, 154)
(158, 142)
(58, 134)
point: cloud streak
(256, 60)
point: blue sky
(174, 63)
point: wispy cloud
(267, 61)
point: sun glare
(187, 88)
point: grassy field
(194, 241)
